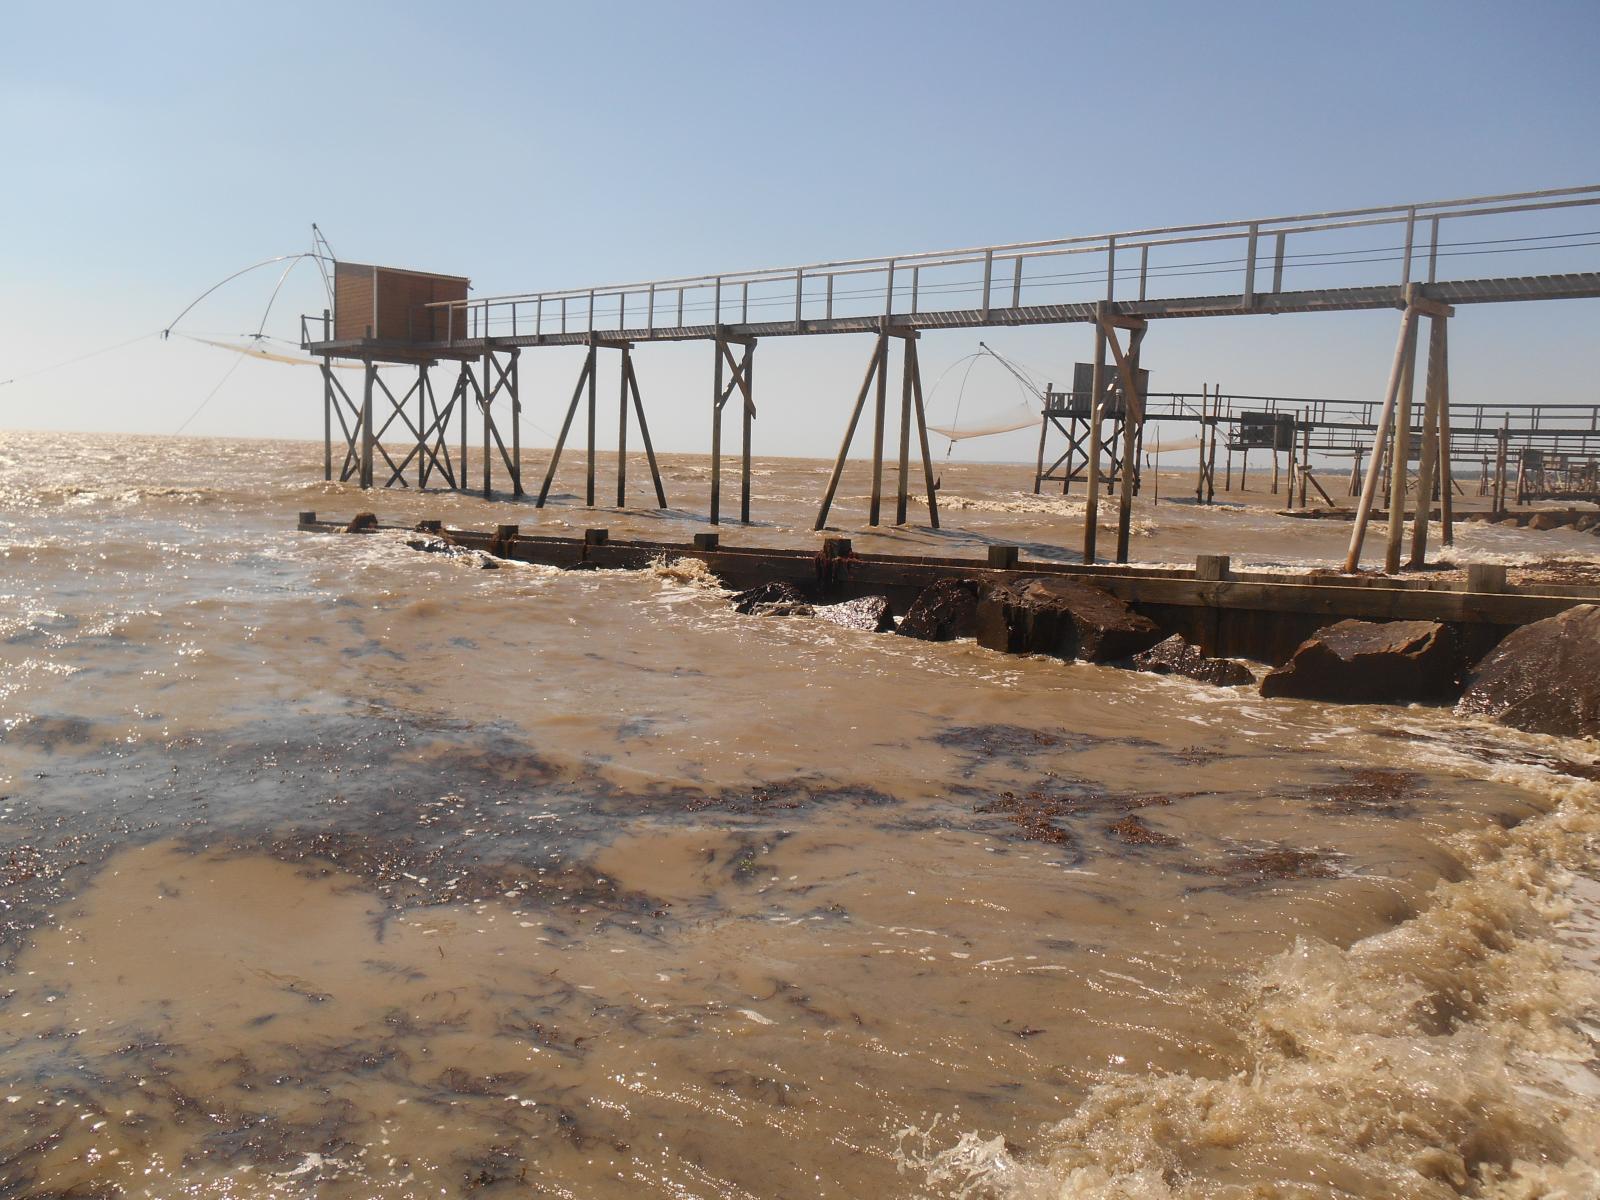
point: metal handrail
(661, 303)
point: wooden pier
(1117, 284)
(1247, 614)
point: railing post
(1433, 249)
(590, 327)
(716, 311)
(650, 311)
(1111, 269)
(830, 296)
(1144, 268)
(1250, 267)
(916, 279)
(1277, 263)
(1016, 283)
(988, 275)
(1411, 228)
(888, 290)
(799, 294)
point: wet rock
(774, 599)
(363, 523)
(434, 544)
(1547, 520)
(870, 613)
(943, 611)
(1372, 662)
(1175, 656)
(1586, 522)
(1544, 677)
(1509, 519)
(1063, 617)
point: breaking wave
(1402, 1066)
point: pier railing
(1514, 234)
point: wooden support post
(902, 489)
(1501, 447)
(1211, 456)
(588, 492)
(422, 426)
(644, 436)
(747, 386)
(878, 413)
(371, 374)
(1447, 474)
(327, 421)
(485, 392)
(718, 397)
(1400, 458)
(584, 376)
(516, 426)
(622, 428)
(461, 386)
(878, 353)
(914, 365)
(1430, 442)
(1305, 460)
(1369, 487)
(1200, 475)
(1044, 427)
(1132, 432)
(1091, 503)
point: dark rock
(1547, 520)
(1586, 522)
(1047, 614)
(1544, 677)
(1375, 662)
(363, 523)
(450, 549)
(943, 611)
(1175, 656)
(775, 599)
(870, 613)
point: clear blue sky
(150, 150)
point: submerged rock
(1048, 614)
(1548, 520)
(1373, 662)
(943, 611)
(870, 613)
(434, 544)
(774, 599)
(1544, 677)
(1175, 656)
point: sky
(151, 150)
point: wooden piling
(622, 429)
(878, 353)
(1400, 457)
(1091, 501)
(878, 412)
(1369, 487)
(1447, 475)
(1430, 442)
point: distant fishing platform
(1117, 283)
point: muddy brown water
(328, 867)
